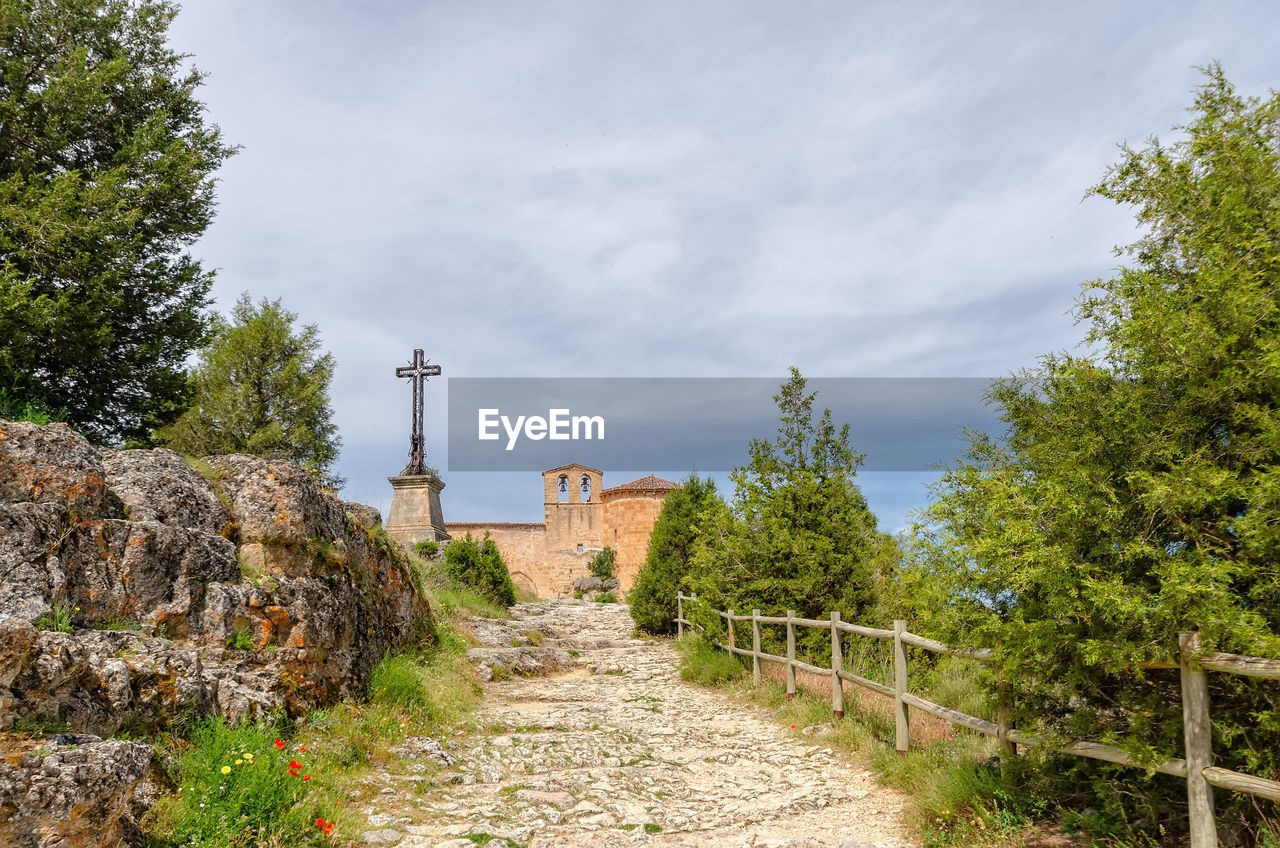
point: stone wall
(629, 519)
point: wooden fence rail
(1197, 769)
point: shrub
(606, 598)
(480, 566)
(602, 564)
(426, 548)
(666, 565)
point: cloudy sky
(681, 189)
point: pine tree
(666, 565)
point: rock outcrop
(134, 587)
(73, 791)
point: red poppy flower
(303, 750)
(320, 822)
(306, 777)
(279, 744)
(296, 765)
(293, 772)
(328, 828)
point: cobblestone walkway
(615, 750)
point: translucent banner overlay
(677, 424)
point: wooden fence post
(903, 734)
(679, 615)
(755, 647)
(791, 656)
(1196, 731)
(837, 662)
(729, 621)
(1004, 721)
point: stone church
(581, 517)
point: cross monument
(418, 371)
(415, 513)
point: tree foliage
(480, 566)
(666, 565)
(260, 388)
(799, 534)
(603, 563)
(106, 178)
(1136, 494)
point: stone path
(614, 749)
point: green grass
(606, 598)
(428, 693)
(241, 639)
(236, 791)
(703, 663)
(58, 619)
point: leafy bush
(15, 408)
(480, 566)
(426, 548)
(602, 564)
(666, 565)
(606, 598)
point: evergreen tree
(1137, 492)
(260, 388)
(106, 178)
(666, 565)
(799, 534)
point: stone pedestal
(415, 514)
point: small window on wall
(579, 548)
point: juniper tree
(106, 179)
(666, 566)
(1136, 493)
(261, 387)
(798, 533)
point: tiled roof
(644, 484)
(497, 525)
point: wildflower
(328, 828)
(293, 772)
(306, 777)
(226, 769)
(320, 822)
(279, 745)
(303, 750)
(294, 764)
(239, 763)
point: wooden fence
(1197, 769)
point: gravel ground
(611, 748)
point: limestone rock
(313, 580)
(84, 792)
(159, 485)
(52, 464)
(367, 516)
(276, 501)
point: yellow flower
(249, 757)
(238, 762)
(226, 769)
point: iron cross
(418, 371)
